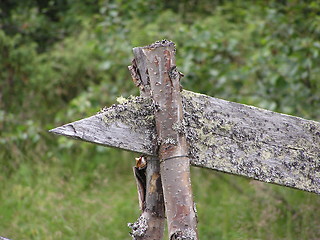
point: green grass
(92, 195)
(67, 197)
(232, 207)
(63, 60)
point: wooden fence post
(150, 225)
(173, 152)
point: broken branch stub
(173, 152)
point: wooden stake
(173, 152)
(150, 224)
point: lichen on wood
(222, 135)
(165, 88)
(138, 114)
(153, 201)
(253, 142)
(139, 228)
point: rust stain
(182, 211)
(167, 61)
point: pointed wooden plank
(224, 136)
(253, 142)
(128, 126)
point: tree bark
(150, 224)
(173, 151)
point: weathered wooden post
(220, 135)
(150, 224)
(164, 80)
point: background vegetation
(62, 60)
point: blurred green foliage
(62, 60)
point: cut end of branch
(162, 43)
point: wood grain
(222, 135)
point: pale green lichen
(169, 141)
(223, 143)
(139, 228)
(121, 100)
(266, 154)
(136, 113)
(179, 127)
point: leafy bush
(62, 60)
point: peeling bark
(173, 152)
(150, 224)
